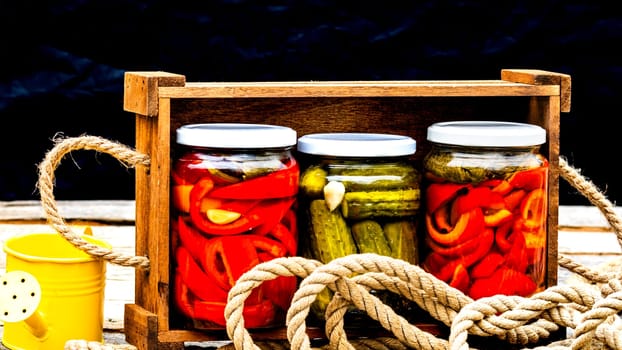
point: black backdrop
(63, 64)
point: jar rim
(353, 144)
(486, 134)
(235, 135)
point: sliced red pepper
(268, 245)
(180, 197)
(460, 279)
(503, 187)
(255, 316)
(277, 184)
(530, 179)
(197, 281)
(182, 297)
(190, 238)
(533, 209)
(497, 217)
(454, 250)
(502, 237)
(514, 198)
(442, 218)
(274, 212)
(238, 205)
(489, 264)
(290, 220)
(467, 226)
(477, 197)
(447, 267)
(282, 234)
(280, 291)
(517, 256)
(438, 194)
(434, 263)
(200, 190)
(503, 281)
(228, 257)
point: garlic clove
(333, 194)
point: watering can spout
(20, 295)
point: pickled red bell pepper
(182, 296)
(460, 279)
(467, 226)
(274, 213)
(438, 194)
(514, 223)
(280, 290)
(489, 264)
(259, 214)
(443, 267)
(277, 184)
(453, 250)
(497, 217)
(529, 179)
(228, 257)
(533, 208)
(200, 220)
(198, 282)
(513, 198)
(503, 281)
(477, 197)
(282, 234)
(255, 316)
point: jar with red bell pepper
(485, 205)
(233, 198)
(359, 193)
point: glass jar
(485, 198)
(359, 193)
(233, 194)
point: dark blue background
(63, 64)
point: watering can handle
(126, 155)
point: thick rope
(129, 157)
(592, 316)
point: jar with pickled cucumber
(485, 205)
(233, 198)
(359, 193)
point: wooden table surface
(584, 235)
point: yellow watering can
(52, 292)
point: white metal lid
(357, 145)
(486, 134)
(236, 135)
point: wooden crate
(164, 101)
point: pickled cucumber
(398, 203)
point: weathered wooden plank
(120, 211)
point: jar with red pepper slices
(359, 193)
(233, 199)
(485, 198)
